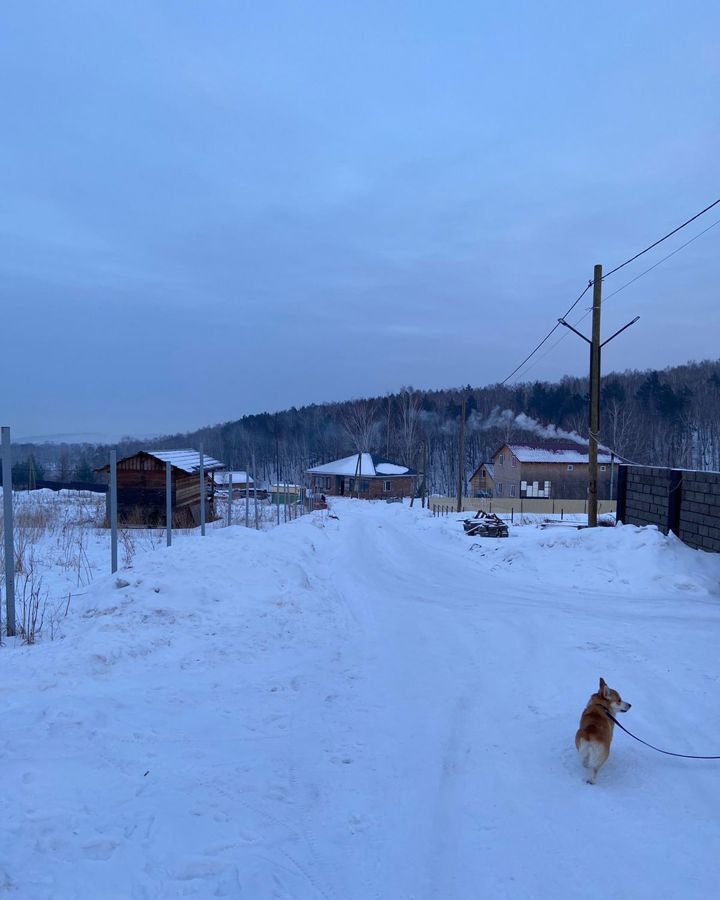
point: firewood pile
(485, 525)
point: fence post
(247, 496)
(229, 498)
(202, 492)
(168, 503)
(621, 504)
(512, 513)
(112, 496)
(9, 541)
(254, 475)
(674, 501)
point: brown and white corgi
(595, 733)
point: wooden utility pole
(595, 348)
(461, 456)
(594, 399)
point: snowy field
(367, 707)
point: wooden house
(141, 485)
(551, 468)
(363, 475)
(482, 481)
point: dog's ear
(602, 690)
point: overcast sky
(216, 208)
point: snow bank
(373, 706)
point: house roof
(370, 466)
(184, 460)
(221, 478)
(553, 451)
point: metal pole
(113, 511)
(247, 496)
(461, 454)
(229, 498)
(594, 399)
(257, 524)
(9, 541)
(202, 492)
(168, 503)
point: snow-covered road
(367, 707)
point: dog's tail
(592, 754)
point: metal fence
(249, 510)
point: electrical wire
(548, 335)
(655, 244)
(612, 272)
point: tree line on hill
(666, 418)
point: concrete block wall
(685, 502)
(700, 510)
(646, 496)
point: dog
(595, 733)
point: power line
(627, 284)
(669, 234)
(617, 269)
(548, 335)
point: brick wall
(686, 503)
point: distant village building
(540, 468)
(141, 487)
(364, 475)
(286, 493)
(240, 482)
(482, 481)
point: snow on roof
(368, 467)
(186, 460)
(221, 478)
(554, 452)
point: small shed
(482, 481)
(239, 481)
(286, 493)
(141, 487)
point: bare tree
(359, 421)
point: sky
(211, 209)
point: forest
(667, 418)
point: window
(603, 468)
(499, 489)
(500, 459)
(570, 468)
(513, 462)
(351, 484)
(364, 487)
(387, 485)
(512, 490)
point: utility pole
(461, 455)
(594, 399)
(595, 357)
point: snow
(368, 706)
(539, 455)
(186, 460)
(346, 466)
(390, 469)
(221, 478)
(349, 466)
